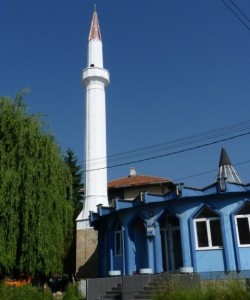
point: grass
(229, 290)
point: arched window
(243, 225)
(207, 230)
(118, 240)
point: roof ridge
(142, 175)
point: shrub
(72, 293)
(26, 292)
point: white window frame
(209, 236)
(118, 232)
(246, 216)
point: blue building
(185, 229)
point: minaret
(95, 78)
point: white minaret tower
(95, 78)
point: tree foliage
(35, 216)
(75, 171)
(75, 196)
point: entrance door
(171, 248)
(176, 250)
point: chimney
(132, 171)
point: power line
(175, 144)
(237, 7)
(171, 153)
(195, 175)
(207, 172)
(236, 15)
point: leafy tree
(75, 170)
(35, 216)
(76, 197)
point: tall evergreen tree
(76, 197)
(76, 172)
(35, 216)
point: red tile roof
(137, 180)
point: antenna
(95, 7)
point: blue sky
(178, 68)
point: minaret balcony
(95, 74)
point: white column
(95, 80)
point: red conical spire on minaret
(95, 32)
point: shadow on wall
(90, 268)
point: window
(208, 230)
(243, 225)
(118, 241)
(105, 245)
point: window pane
(201, 228)
(215, 233)
(206, 213)
(245, 210)
(173, 220)
(118, 243)
(243, 230)
(105, 245)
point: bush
(72, 293)
(26, 292)
(29, 292)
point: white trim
(145, 271)
(115, 273)
(247, 216)
(186, 270)
(209, 236)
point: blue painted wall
(244, 258)
(142, 244)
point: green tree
(76, 173)
(76, 197)
(35, 216)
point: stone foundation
(86, 253)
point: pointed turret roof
(95, 32)
(226, 171)
(224, 158)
